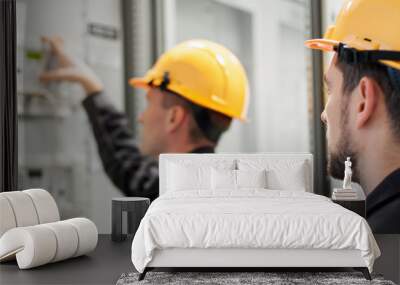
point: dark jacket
(133, 173)
(383, 205)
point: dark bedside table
(357, 206)
(135, 208)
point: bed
(247, 211)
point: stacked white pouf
(31, 231)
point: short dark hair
(387, 78)
(207, 124)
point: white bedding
(250, 219)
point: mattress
(251, 219)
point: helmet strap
(351, 55)
(165, 81)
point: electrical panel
(55, 99)
(56, 150)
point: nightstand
(135, 207)
(357, 206)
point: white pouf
(46, 207)
(32, 233)
(37, 245)
(7, 220)
(23, 208)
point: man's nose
(323, 117)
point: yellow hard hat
(365, 30)
(204, 73)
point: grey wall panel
(8, 102)
(139, 51)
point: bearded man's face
(336, 117)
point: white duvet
(250, 219)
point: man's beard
(344, 149)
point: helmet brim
(140, 82)
(322, 44)
(329, 46)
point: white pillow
(182, 177)
(226, 179)
(189, 174)
(223, 179)
(289, 179)
(206, 160)
(282, 174)
(251, 178)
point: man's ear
(367, 101)
(175, 117)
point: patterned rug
(229, 278)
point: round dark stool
(135, 207)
